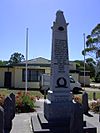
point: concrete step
(36, 126)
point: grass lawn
(90, 95)
(38, 93)
(7, 92)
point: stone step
(89, 128)
(36, 126)
(41, 125)
(49, 124)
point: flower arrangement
(95, 106)
(24, 102)
(77, 99)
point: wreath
(64, 83)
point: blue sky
(38, 16)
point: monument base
(57, 111)
(41, 125)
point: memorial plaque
(61, 54)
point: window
(33, 75)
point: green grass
(38, 93)
(90, 95)
(7, 92)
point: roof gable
(38, 60)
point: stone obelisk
(60, 114)
(57, 104)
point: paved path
(93, 120)
(22, 122)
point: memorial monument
(58, 100)
(60, 113)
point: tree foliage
(93, 47)
(16, 58)
(3, 63)
(89, 66)
(93, 43)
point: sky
(38, 16)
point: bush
(24, 102)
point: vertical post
(99, 114)
(94, 95)
(84, 60)
(85, 103)
(26, 59)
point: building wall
(87, 80)
(16, 80)
(2, 75)
(75, 76)
(18, 77)
(2, 70)
(72, 65)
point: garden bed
(25, 102)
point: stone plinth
(73, 123)
(62, 110)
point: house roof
(40, 61)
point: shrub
(24, 102)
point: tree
(3, 63)
(89, 66)
(79, 64)
(93, 43)
(16, 58)
(93, 46)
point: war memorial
(61, 114)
